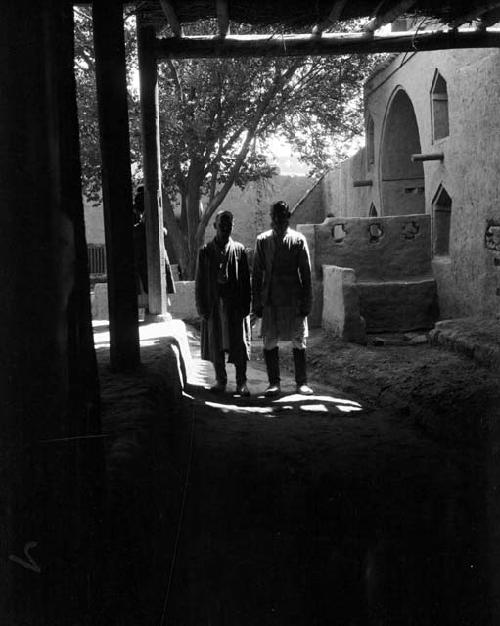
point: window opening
(370, 141)
(439, 104)
(442, 223)
(338, 233)
(372, 212)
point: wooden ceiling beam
(222, 17)
(476, 13)
(333, 17)
(328, 44)
(385, 17)
(169, 11)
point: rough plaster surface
(314, 318)
(341, 310)
(398, 305)
(99, 302)
(469, 282)
(250, 206)
(182, 303)
(310, 208)
(393, 273)
(386, 248)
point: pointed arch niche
(402, 181)
(370, 142)
(439, 104)
(441, 222)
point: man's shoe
(304, 390)
(218, 387)
(273, 390)
(242, 390)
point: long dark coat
(239, 297)
(282, 283)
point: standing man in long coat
(223, 295)
(282, 295)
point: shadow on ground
(328, 509)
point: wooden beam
(169, 11)
(389, 15)
(112, 108)
(433, 156)
(333, 17)
(222, 17)
(148, 76)
(328, 44)
(475, 13)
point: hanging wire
(164, 613)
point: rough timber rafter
(169, 11)
(389, 15)
(333, 17)
(328, 44)
(222, 17)
(476, 13)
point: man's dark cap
(281, 209)
(225, 214)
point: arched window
(370, 142)
(441, 209)
(372, 212)
(439, 105)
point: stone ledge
(475, 337)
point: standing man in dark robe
(140, 248)
(223, 295)
(282, 295)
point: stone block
(182, 304)
(99, 302)
(401, 305)
(341, 307)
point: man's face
(279, 220)
(224, 226)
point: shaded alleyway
(323, 511)
(331, 509)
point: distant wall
(251, 206)
(94, 222)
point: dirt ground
(368, 503)
(447, 394)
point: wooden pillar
(51, 456)
(116, 182)
(148, 74)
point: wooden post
(148, 74)
(435, 156)
(51, 456)
(116, 182)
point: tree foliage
(217, 119)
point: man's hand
(258, 312)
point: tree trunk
(193, 199)
(176, 235)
